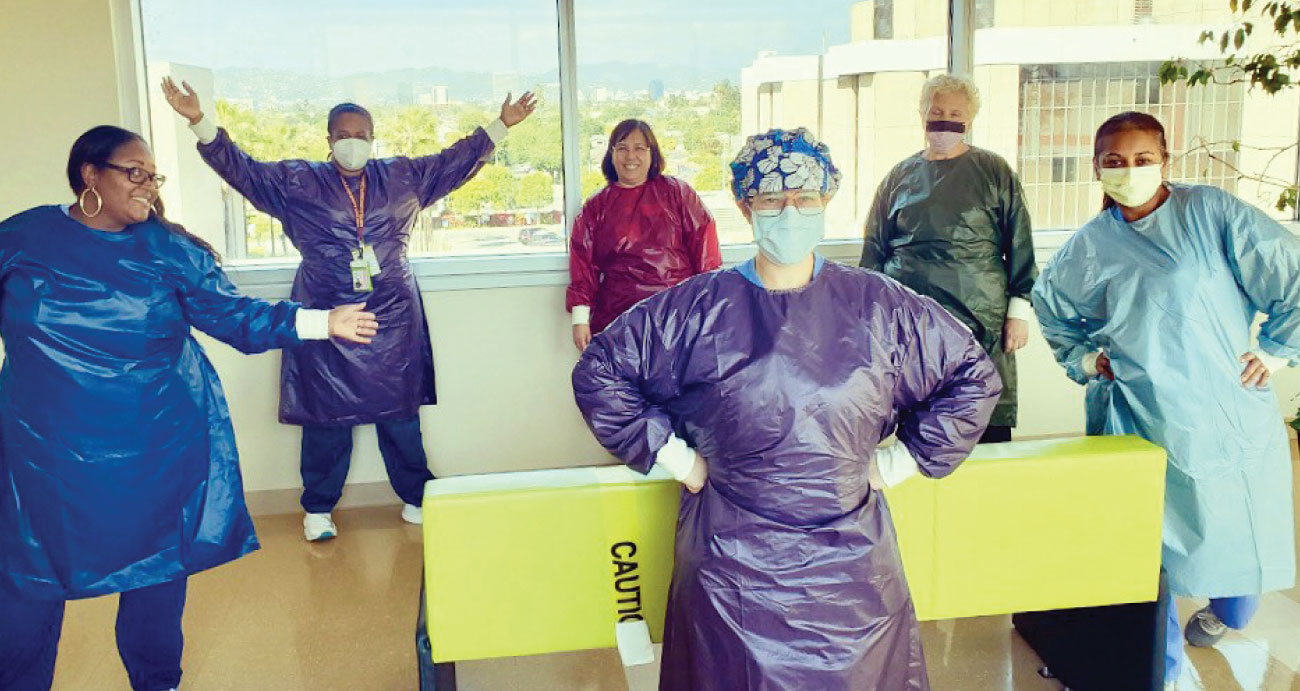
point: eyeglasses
(139, 176)
(807, 204)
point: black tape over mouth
(945, 126)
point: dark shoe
(1204, 629)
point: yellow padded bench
(548, 561)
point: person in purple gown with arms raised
(351, 219)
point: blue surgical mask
(789, 237)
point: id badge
(361, 276)
(368, 253)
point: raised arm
(262, 184)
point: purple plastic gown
(329, 383)
(787, 572)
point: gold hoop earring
(99, 202)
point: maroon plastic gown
(331, 383)
(632, 242)
(787, 572)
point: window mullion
(569, 123)
(961, 38)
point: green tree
(711, 177)
(593, 181)
(727, 99)
(492, 189)
(470, 116)
(408, 131)
(536, 142)
(268, 136)
(1272, 70)
(536, 190)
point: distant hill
(630, 76)
(262, 86)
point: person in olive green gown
(950, 222)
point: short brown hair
(621, 131)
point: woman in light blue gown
(1158, 293)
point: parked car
(537, 235)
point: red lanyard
(358, 208)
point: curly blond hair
(947, 83)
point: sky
(334, 38)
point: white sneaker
(412, 514)
(318, 526)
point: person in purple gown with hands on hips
(766, 389)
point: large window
(751, 65)
(705, 76)
(430, 71)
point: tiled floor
(341, 615)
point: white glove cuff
(1020, 308)
(677, 458)
(312, 325)
(205, 129)
(1090, 363)
(496, 131)
(895, 464)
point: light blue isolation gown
(1171, 299)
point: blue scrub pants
(1233, 611)
(149, 638)
(327, 453)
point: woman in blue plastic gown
(1158, 293)
(785, 373)
(118, 469)
(351, 219)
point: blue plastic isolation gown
(1171, 299)
(118, 467)
(786, 570)
(332, 383)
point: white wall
(503, 358)
(193, 191)
(60, 79)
